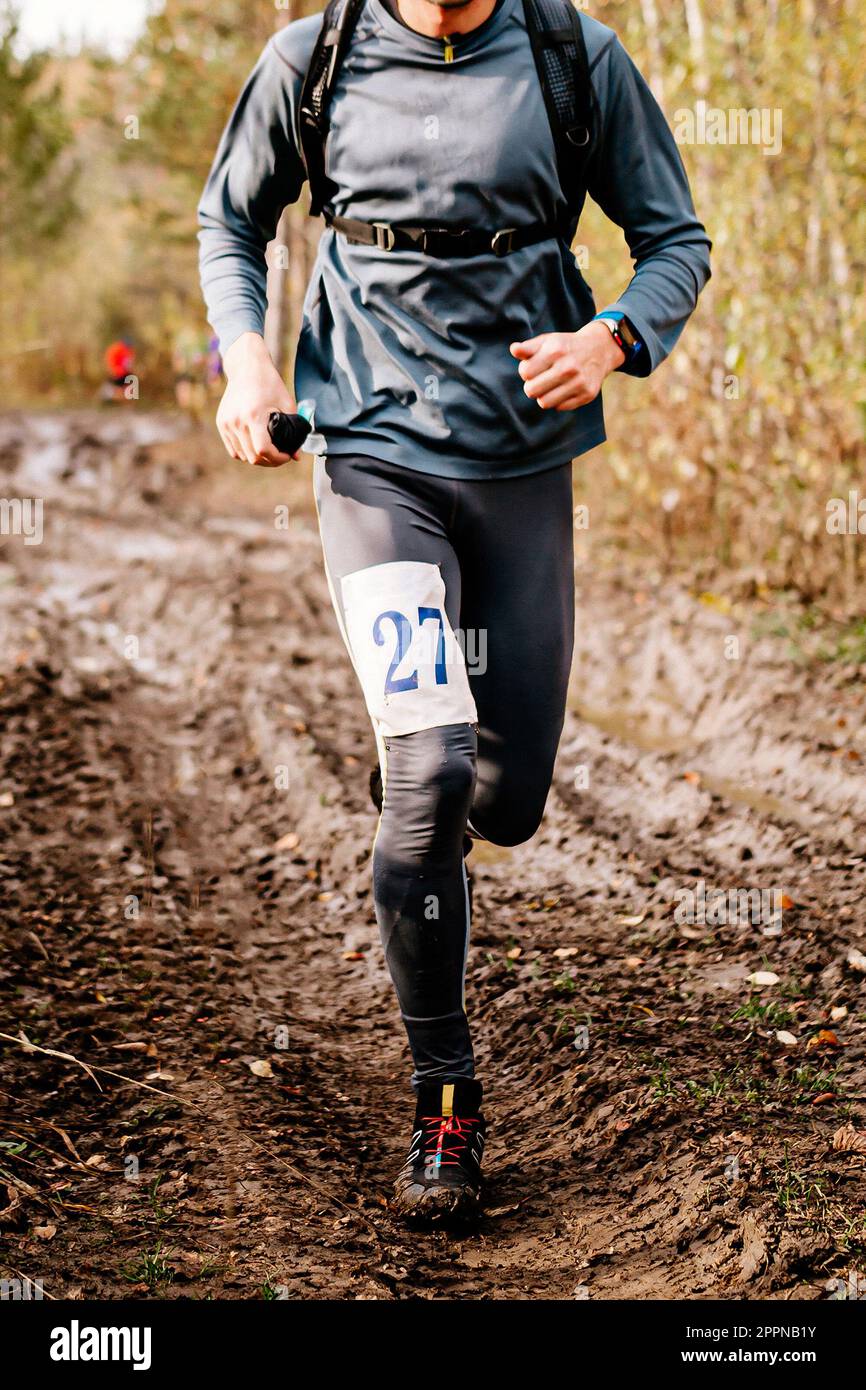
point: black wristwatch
(623, 335)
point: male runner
(452, 392)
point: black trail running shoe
(441, 1179)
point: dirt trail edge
(676, 1085)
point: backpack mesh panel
(559, 61)
(318, 74)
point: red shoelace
(442, 1126)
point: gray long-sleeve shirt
(405, 355)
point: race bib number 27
(407, 657)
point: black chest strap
(446, 242)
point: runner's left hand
(562, 371)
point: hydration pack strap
(338, 24)
(561, 60)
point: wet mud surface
(185, 833)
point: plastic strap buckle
(384, 234)
(502, 242)
(443, 241)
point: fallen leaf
(633, 962)
(838, 1013)
(14, 1202)
(763, 977)
(563, 952)
(7, 799)
(186, 1264)
(44, 1232)
(719, 601)
(786, 903)
(857, 960)
(632, 921)
(260, 1068)
(787, 1039)
(502, 1211)
(825, 1037)
(31, 936)
(95, 1161)
(353, 955)
(288, 841)
(754, 1251)
(824, 1097)
(515, 953)
(324, 897)
(849, 1140)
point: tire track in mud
(237, 733)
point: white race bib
(408, 660)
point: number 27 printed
(403, 641)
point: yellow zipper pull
(449, 48)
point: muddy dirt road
(185, 892)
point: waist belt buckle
(501, 243)
(442, 241)
(384, 234)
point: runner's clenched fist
(565, 370)
(254, 388)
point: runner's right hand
(254, 388)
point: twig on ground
(34, 1283)
(25, 1043)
